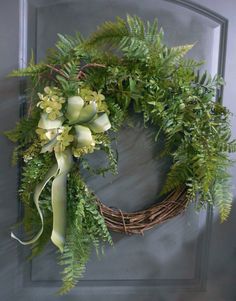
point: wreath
(78, 99)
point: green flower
(42, 134)
(64, 139)
(51, 102)
(80, 151)
(47, 138)
(46, 135)
(88, 95)
(98, 96)
(100, 100)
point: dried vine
(140, 221)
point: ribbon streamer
(59, 171)
(39, 188)
(64, 162)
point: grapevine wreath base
(140, 221)
(78, 98)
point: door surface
(191, 257)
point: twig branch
(57, 70)
(82, 74)
(138, 222)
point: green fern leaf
(223, 198)
(109, 34)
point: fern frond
(229, 147)
(177, 177)
(178, 52)
(130, 36)
(223, 198)
(191, 63)
(138, 40)
(31, 70)
(142, 39)
(109, 34)
(67, 43)
(68, 80)
(86, 229)
(74, 258)
(24, 132)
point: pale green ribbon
(64, 163)
(58, 195)
(85, 119)
(38, 189)
(87, 116)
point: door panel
(173, 257)
(163, 256)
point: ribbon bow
(86, 120)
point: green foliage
(86, 227)
(30, 70)
(138, 41)
(131, 36)
(109, 33)
(229, 147)
(31, 174)
(68, 79)
(222, 197)
(197, 132)
(117, 115)
(23, 134)
(66, 46)
(105, 143)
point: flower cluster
(64, 139)
(76, 128)
(51, 102)
(80, 151)
(42, 133)
(88, 95)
